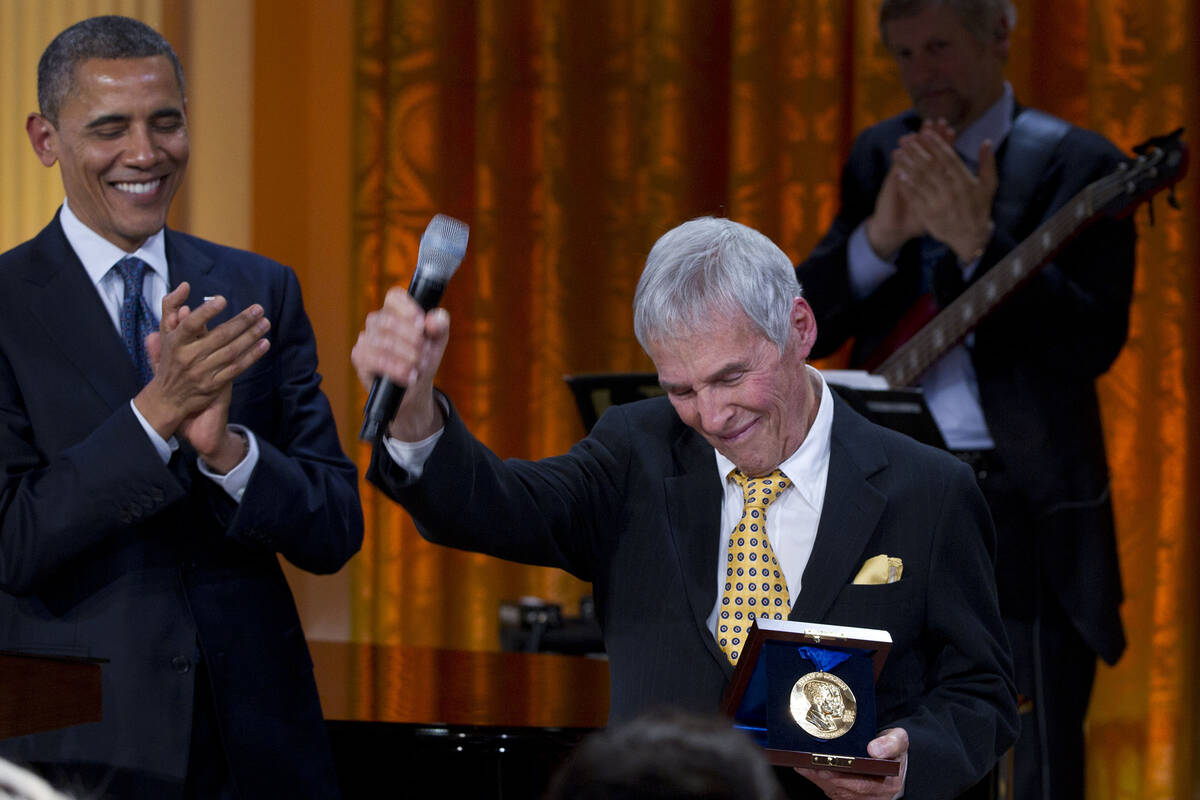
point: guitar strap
(1031, 142)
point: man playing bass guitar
(931, 201)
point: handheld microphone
(443, 246)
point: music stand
(903, 410)
(594, 392)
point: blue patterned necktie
(940, 274)
(137, 321)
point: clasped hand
(930, 191)
(194, 370)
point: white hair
(700, 272)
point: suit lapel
(851, 511)
(187, 263)
(849, 515)
(64, 300)
(693, 519)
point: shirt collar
(994, 124)
(98, 255)
(804, 467)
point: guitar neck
(960, 317)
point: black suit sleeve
(302, 498)
(54, 509)
(550, 512)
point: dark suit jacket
(1036, 360)
(106, 552)
(635, 508)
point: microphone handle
(385, 395)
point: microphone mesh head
(443, 246)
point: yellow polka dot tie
(754, 584)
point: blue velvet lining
(764, 710)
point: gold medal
(823, 705)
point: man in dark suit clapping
(163, 437)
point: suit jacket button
(181, 664)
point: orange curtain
(571, 133)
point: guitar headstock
(1161, 162)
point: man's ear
(804, 322)
(44, 138)
(1002, 36)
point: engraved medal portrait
(823, 705)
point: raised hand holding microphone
(401, 346)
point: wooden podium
(40, 693)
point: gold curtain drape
(571, 133)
